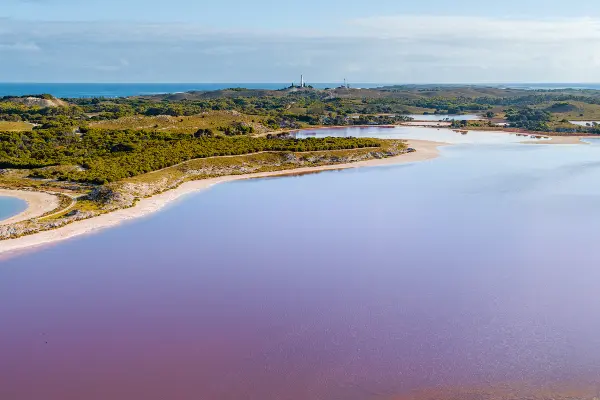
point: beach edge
(425, 150)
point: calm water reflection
(480, 266)
(411, 132)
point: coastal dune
(425, 150)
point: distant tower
(301, 81)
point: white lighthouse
(301, 81)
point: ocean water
(478, 268)
(82, 90)
(10, 206)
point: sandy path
(426, 150)
(38, 204)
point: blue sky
(265, 41)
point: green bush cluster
(108, 156)
(529, 118)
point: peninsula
(79, 160)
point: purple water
(477, 268)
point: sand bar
(561, 140)
(38, 204)
(426, 150)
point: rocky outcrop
(33, 226)
(111, 198)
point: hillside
(44, 101)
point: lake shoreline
(38, 204)
(425, 150)
(554, 138)
(557, 138)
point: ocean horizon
(83, 90)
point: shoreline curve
(38, 204)
(425, 150)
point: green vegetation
(572, 110)
(99, 140)
(82, 201)
(263, 162)
(107, 153)
(529, 118)
(217, 121)
(15, 126)
(242, 111)
(101, 156)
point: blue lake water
(10, 206)
(476, 268)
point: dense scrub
(99, 156)
(529, 118)
(289, 109)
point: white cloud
(450, 27)
(227, 50)
(380, 49)
(19, 46)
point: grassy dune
(260, 162)
(575, 110)
(187, 124)
(15, 126)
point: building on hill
(346, 85)
(302, 84)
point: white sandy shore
(41, 203)
(559, 140)
(38, 204)
(426, 150)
